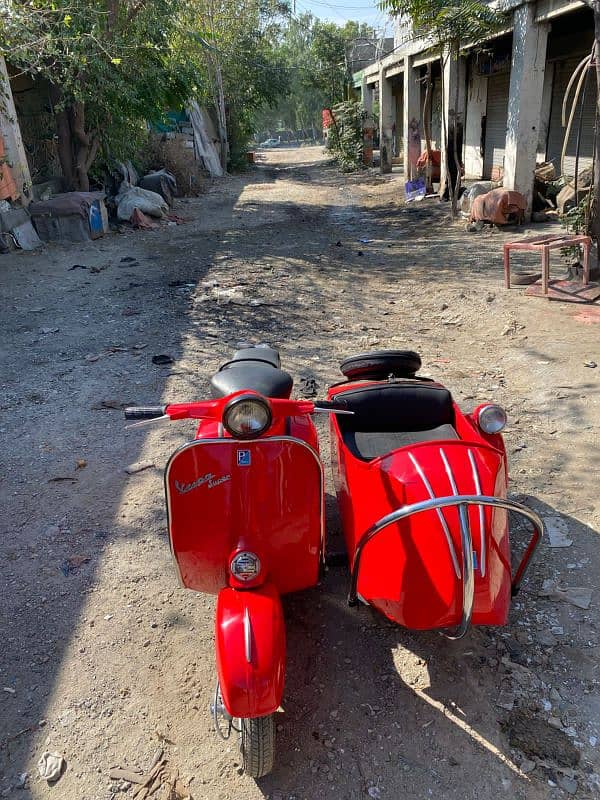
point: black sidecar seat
(392, 415)
(255, 368)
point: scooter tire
(257, 745)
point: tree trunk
(595, 210)
(65, 141)
(446, 183)
(427, 129)
(83, 146)
(76, 148)
(455, 123)
(221, 115)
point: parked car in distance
(270, 143)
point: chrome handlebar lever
(144, 422)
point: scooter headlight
(245, 566)
(247, 416)
(491, 419)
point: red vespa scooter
(245, 502)
(422, 489)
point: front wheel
(257, 745)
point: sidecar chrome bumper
(467, 571)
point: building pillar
(411, 127)
(387, 116)
(476, 111)
(455, 86)
(11, 134)
(525, 101)
(368, 124)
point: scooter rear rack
(468, 570)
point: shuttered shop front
(496, 121)
(563, 70)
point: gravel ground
(106, 661)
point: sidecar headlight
(491, 419)
(247, 416)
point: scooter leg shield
(250, 645)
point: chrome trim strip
(247, 636)
(449, 473)
(442, 519)
(468, 575)
(462, 501)
(482, 545)
(196, 442)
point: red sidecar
(422, 488)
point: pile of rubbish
(556, 196)
(137, 199)
(58, 216)
(488, 202)
(16, 230)
(553, 197)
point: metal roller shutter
(496, 121)
(556, 133)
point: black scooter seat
(253, 368)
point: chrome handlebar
(468, 571)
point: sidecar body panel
(411, 570)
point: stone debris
(557, 532)
(570, 785)
(506, 700)
(527, 766)
(577, 596)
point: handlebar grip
(145, 412)
(325, 404)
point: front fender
(250, 645)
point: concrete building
(510, 93)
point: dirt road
(105, 660)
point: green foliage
(111, 63)
(117, 63)
(576, 219)
(447, 21)
(239, 41)
(345, 136)
(315, 56)
(115, 56)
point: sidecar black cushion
(392, 415)
(373, 444)
(378, 364)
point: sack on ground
(132, 197)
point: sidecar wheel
(257, 745)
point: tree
(594, 218)
(241, 67)
(111, 66)
(316, 60)
(448, 24)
